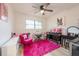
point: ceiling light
(42, 11)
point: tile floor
(59, 52)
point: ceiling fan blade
(36, 7)
(43, 13)
(46, 5)
(48, 10)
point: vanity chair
(24, 39)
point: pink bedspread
(40, 48)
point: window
(29, 24)
(33, 24)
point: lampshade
(42, 11)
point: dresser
(10, 48)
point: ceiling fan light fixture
(42, 11)
(43, 8)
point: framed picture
(60, 21)
(3, 12)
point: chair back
(24, 38)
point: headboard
(73, 29)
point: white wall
(6, 27)
(70, 16)
(20, 19)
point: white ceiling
(27, 8)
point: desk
(59, 38)
(54, 36)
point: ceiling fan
(43, 8)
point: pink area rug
(40, 48)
